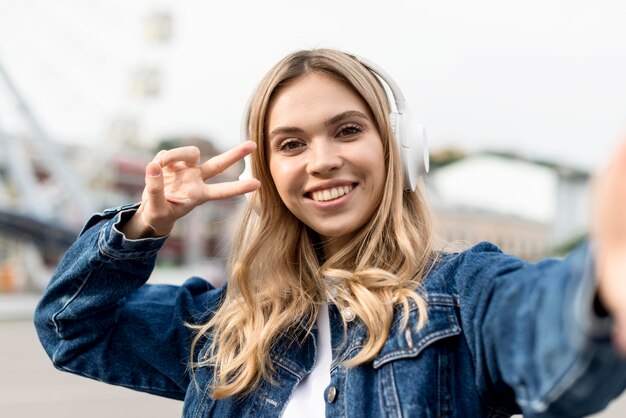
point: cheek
(281, 178)
(376, 164)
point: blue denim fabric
(503, 337)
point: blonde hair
(276, 283)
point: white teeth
(329, 194)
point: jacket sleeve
(98, 319)
(534, 333)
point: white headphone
(410, 136)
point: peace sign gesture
(175, 184)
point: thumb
(154, 212)
(155, 194)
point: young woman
(336, 302)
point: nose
(323, 157)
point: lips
(331, 193)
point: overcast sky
(543, 78)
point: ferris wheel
(58, 63)
(65, 78)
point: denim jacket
(503, 336)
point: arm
(534, 334)
(552, 332)
(97, 319)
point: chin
(335, 233)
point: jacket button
(331, 394)
(348, 314)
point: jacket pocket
(408, 342)
(414, 366)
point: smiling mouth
(330, 194)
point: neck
(332, 245)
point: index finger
(221, 162)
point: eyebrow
(335, 119)
(345, 115)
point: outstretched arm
(609, 233)
(538, 328)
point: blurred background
(523, 101)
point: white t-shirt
(308, 398)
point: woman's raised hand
(609, 232)
(175, 184)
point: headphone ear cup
(246, 174)
(395, 126)
(244, 132)
(247, 168)
(412, 142)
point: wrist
(136, 227)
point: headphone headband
(398, 98)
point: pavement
(31, 387)
(17, 305)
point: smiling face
(325, 156)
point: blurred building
(37, 222)
(48, 190)
(528, 207)
(40, 213)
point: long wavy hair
(277, 283)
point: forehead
(311, 97)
